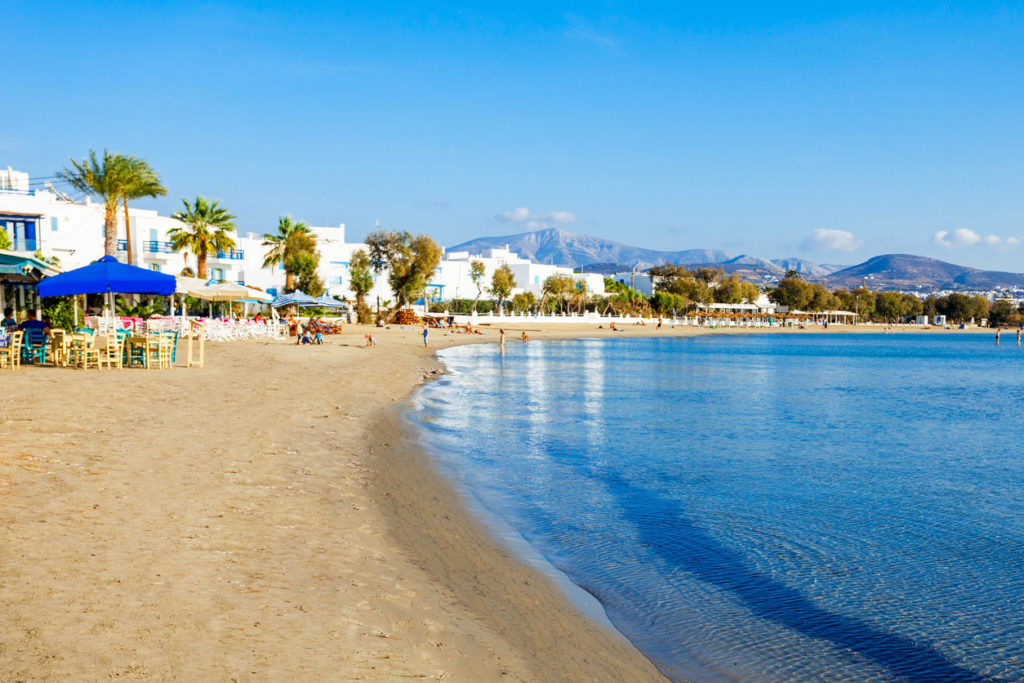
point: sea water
(763, 507)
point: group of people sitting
(31, 322)
(311, 332)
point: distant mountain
(753, 269)
(889, 271)
(906, 271)
(805, 267)
(561, 248)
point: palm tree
(278, 244)
(140, 180)
(207, 230)
(476, 274)
(105, 180)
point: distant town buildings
(51, 223)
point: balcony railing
(234, 254)
(12, 190)
(157, 247)
(122, 245)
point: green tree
(664, 303)
(139, 180)
(207, 230)
(793, 292)
(5, 239)
(821, 299)
(476, 274)
(667, 276)
(979, 307)
(104, 179)
(891, 306)
(558, 288)
(676, 279)
(146, 307)
(360, 281)
(735, 290)
(709, 275)
(913, 306)
(958, 307)
(863, 303)
(410, 261)
(523, 302)
(278, 243)
(302, 260)
(59, 311)
(502, 284)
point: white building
(50, 222)
(641, 282)
(452, 278)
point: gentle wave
(762, 508)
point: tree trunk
(110, 231)
(289, 282)
(201, 266)
(127, 232)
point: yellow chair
(110, 353)
(11, 354)
(84, 353)
(59, 347)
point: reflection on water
(763, 508)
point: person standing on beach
(1018, 336)
(998, 329)
(424, 335)
(501, 340)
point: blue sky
(831, 131)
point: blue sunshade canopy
(296, 297)
(325, 301)
(108, 275)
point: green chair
(34, 349)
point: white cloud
(830, 239)
(965, 237)
(563, 216)
(514, 215)
(536, 221)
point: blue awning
(108, 275)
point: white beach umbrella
(186, 284)
(225, 291)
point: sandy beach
(265, 518)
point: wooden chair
(59, 347)
(83, 352)
(110, 352)
(11, 354)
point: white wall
(78, 241)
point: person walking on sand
(424, 335)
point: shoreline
(267, 517)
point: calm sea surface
(761, 508)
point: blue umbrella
(296, 297)
(107, 275)
(326, 302)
